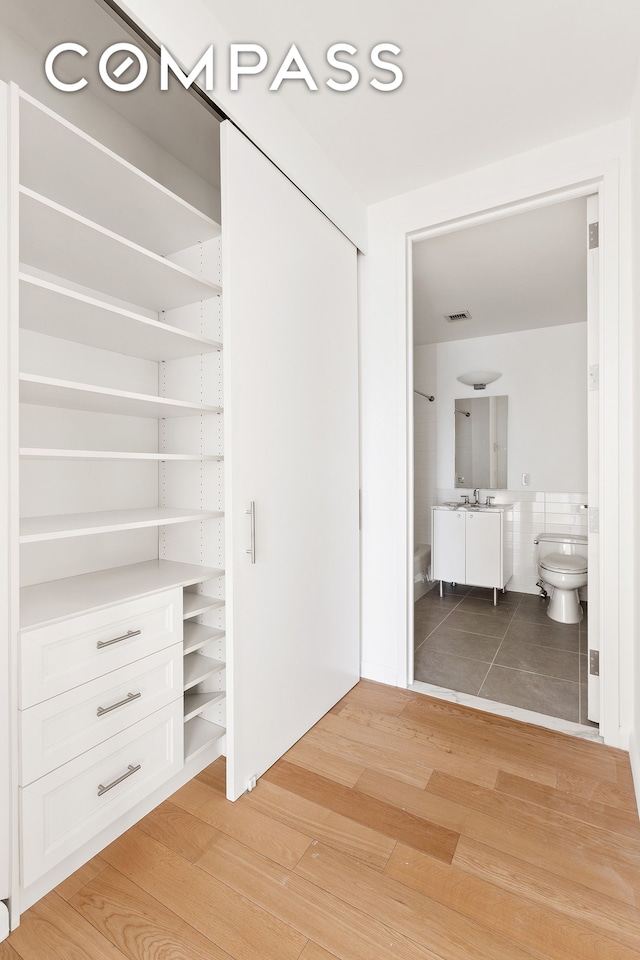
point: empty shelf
(200, 734)
(126, 201)
(35, 529)
(195, 703)
(198, 635)
(55, 600)
(86, 253)
(47, 391)
(195, 604)
(52, 453)
(57, 311)
(198, 667)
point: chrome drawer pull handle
(115, 783)
(114, 706)
(125, 636)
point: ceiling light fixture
(478, 379)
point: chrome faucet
(476, 495)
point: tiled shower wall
(534, 513)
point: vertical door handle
(251, 512)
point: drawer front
(65, 809)
(56, 731)
(63, 655)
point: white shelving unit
(49, 308)
(120, 387)
(34, 453)
(73, 163)
(88, 254)
(47, 391)
(35, 529)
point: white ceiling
(483, 80)
(517, 273)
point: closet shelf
(128, 202)
(57, 311)
(198, 635)
(195, 703)
(198, 735)
(88, 254)
(36, 529)
(43, 603)
(52, 453)
(197, 668)
(50, 392)
(195, 604)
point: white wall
(186, 29)
(598, 156)
(544, 376)
(634, 351)
(424, 441)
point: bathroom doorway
(509, 301)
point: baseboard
(4, 921)
(634, 757)
(379, 673)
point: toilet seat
(563, 563)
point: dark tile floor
(512, 653)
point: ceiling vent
(454, 317)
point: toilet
(562, 565)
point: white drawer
(62, 811)
(63, 655)
(62, 728)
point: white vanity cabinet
(471, 546)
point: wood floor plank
(446, 932)
(333, 764)
(385, 699)
(557, 826)
(278, 841)
(312, 952)
(393, 737)
(532, 845)
(567, 896)
(8, 953)
(215, 775)
(380, 755)
(77, 880)
(544, 929)
(599, 791)
(52, 930)
(389, 819)
(315, 820)
(623, 822)
(321, 917)
(179, 830)
(138, 924)
(232, 922)
(516, 738)
(447, 748)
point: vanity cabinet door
(448, 546)
(484, 549)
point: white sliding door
(291, 416)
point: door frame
(607, 429)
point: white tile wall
(534, 513)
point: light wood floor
(398, 827)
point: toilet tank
(560, 543)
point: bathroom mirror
(481, 443)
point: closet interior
(119, 461)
